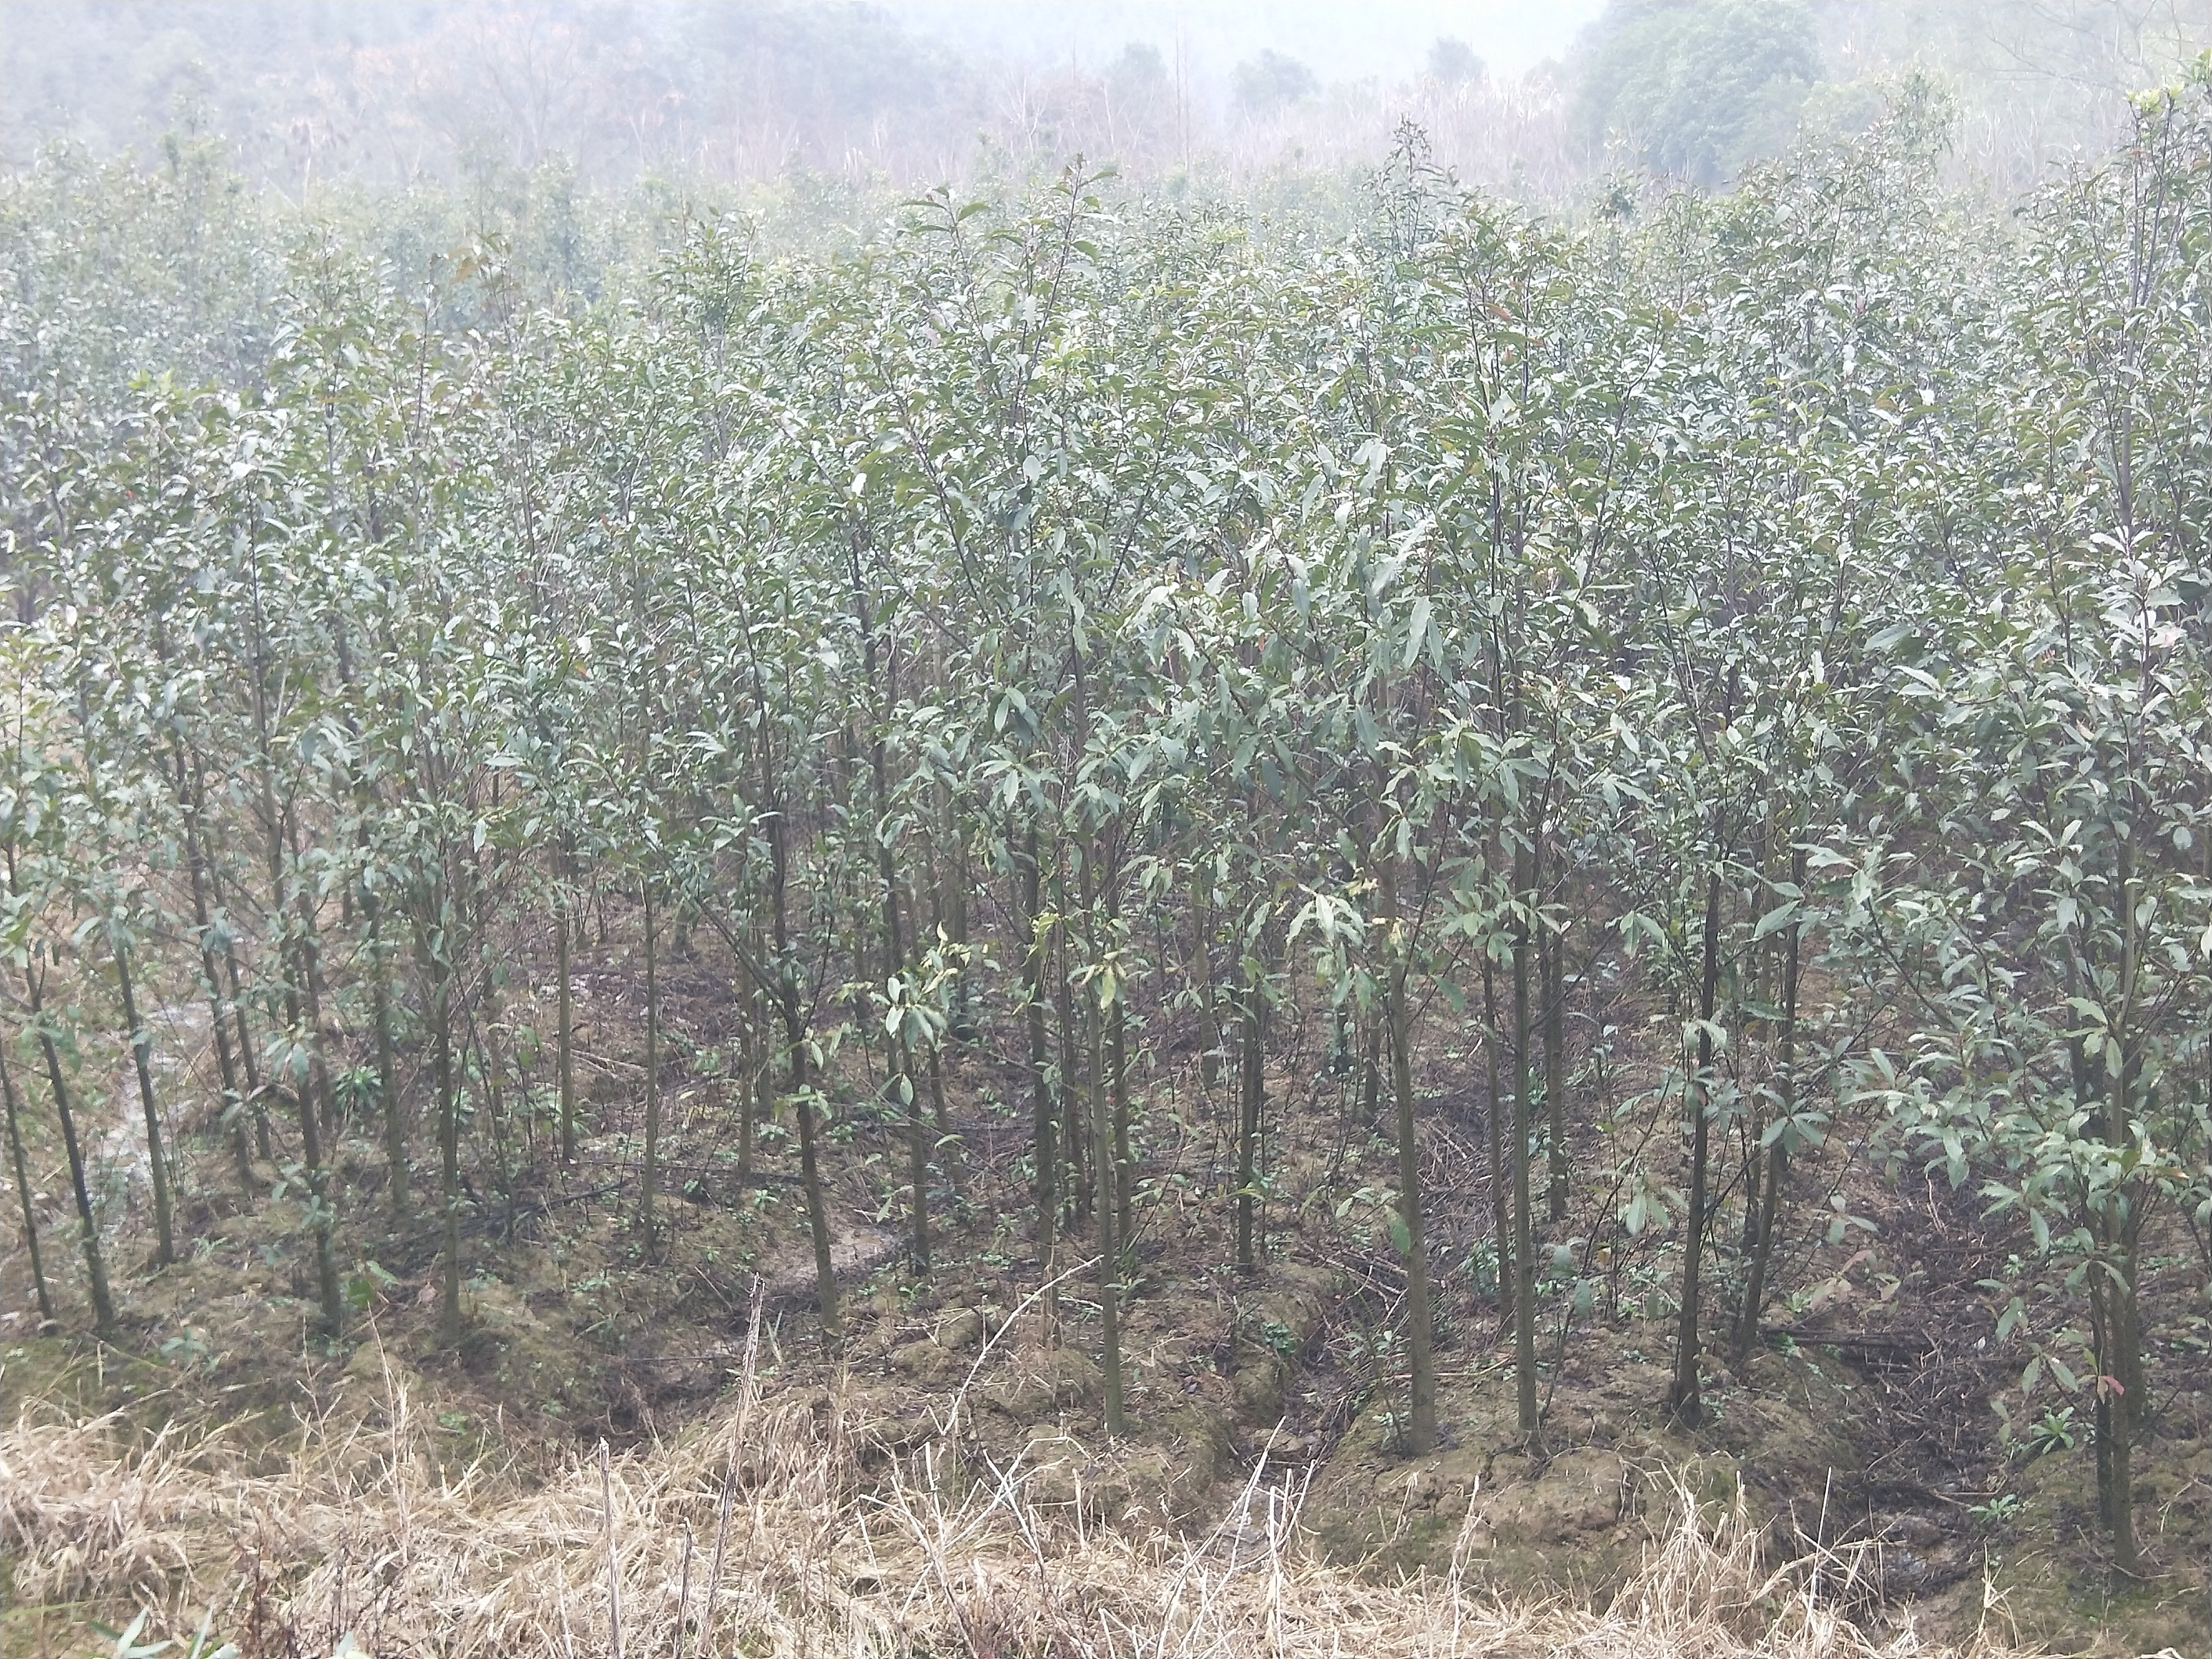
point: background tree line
(1287, 103)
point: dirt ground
(1861, 1417)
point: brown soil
(1864, 1418)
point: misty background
(1532, 101)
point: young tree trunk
(293, 908)
(917, 1150)
(1117, 1071)
(254, 1106)
(1421, 1429)
(1501, 1219)
(1047, 1155)
(650, 1183)
(898, 1057)
(788, 989)
(1684, 1398)
(1251, 1105)
(949, 912)
(1751, 1128)
(743, 1060)
(1376, 1024)
(1778, 1158)
(2115, 1415)
(157, 1163)
(387, 1065)
(1209, 1005)
(810, 1168)
(1076, 1141)
(488, 1013)
(1107, 1208)
(317, 1092)
(2120, 1411)
(1420, 1331)
(236, 1106)
(1552, 952)
(756, 1087)
(23, 1191)
(1524, 1247)
(213, 844)
(190, 808)
(439, 965)
(948, 1144)
(564, 1003)
(751, 1069)
(96, 1262)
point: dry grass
(355, 1534)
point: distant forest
(694, 92)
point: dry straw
(356, 1536)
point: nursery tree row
(1075, 624)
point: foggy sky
(1340, 41)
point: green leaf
(1417, 630)
(1781, 917)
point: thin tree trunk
(650, 1184)
(1553, 950)
(2119, 1412)
(1047, 1155)
(1251, 1098)
(1420, 1332)
(190, 807)
(810, 1168)
(387, 1065)
(157, 1163)
(1117, 1061)
(449, 1138)
(324, 1222)
(1501, 1223)
(1778, 1158)
(236, 1106)
(2115, 1414)
(1524, 1246)
(487, 1014)
(1076, 1141)
(1107, 1207)
(23, 1192)
(1209, 1007)
(1105, 1165)
(917, 1150)
(254, 1106)
(953, 915)
(1684, 1398)
(758, 1088)
(1751, 1129)
(564, 1002)
(742, 1075)
(898, 1057)
(96, 1262)
(794, 1014)
(948, 1145)
(294, 909)
(1370, 1081)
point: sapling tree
(30, 822)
